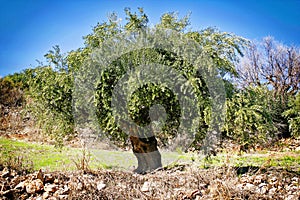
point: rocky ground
(179, 182)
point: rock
(297, 148)
(295, 181)
(48, 178)
(50, 188)
(146, 187)
(292, 197)
(46, 195)
(244, 179)
(258, 179)
(34, 186)
(262, 188)
(13, 173)
(65, 190)
(17, 179)
(101, 186)
(62, 196)
(5, 173)
(272, 191)
(273, 181)
(240, 186)
(294, 188)
(22, 185)
(79, 186)
(198, 197)
(40, 175)
(249, 186)
(52, 198)
(6, 193)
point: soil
(182, 181)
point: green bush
(50, 95)
(293, 115)
(249, 117)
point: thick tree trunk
(147, 154)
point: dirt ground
(178, 182)
(181, 181)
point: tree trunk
(147, 154)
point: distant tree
(277, 67)
(274, 65)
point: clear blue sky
(29, 28)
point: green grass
(41, 156)
(50, 158)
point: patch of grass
(41, 156)
(50, 158)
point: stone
(79, 186)
(295, 181)
(240, 186)
(46, 195)
(13, 173)
(48, 178)
(292, 197)
(40, 175)
(146, 187)
(50, 188)
(273, 181)
(258, 179)
(262, 188)
(101, 186)
(249, 186)
(244, 179)
(52, 198)
(62, 196)
(34, 186)
(272, 191)
(22, 185)
(65, 190)
(5, 172)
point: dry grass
(184, 182)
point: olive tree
(53, 85)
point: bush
(11, 94)
(51, 102)
(249, 117)
(293, 115)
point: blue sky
(29, 28)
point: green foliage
(293, 115)
(135, 22)
(50, 93)
(171, 21)
(144, 97)
(249, 117)
(51, 86)
(224, 48)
